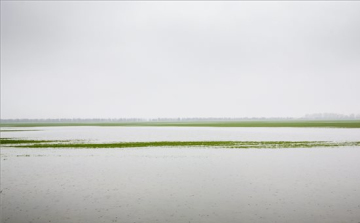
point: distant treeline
(334, 116)
(72, 120)
(120, 120)
(319, 116)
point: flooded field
(170, 184)
(136, 134)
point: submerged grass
(18, 130)
(287, 123)
(211, 144)
(24, 141)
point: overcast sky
(179, 59)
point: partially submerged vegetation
(252, 123)
(210, 144)
(18, 130)
(23, 141)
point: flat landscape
(180, 111)
(171, 174)
(290, 123)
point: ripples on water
(181, 185)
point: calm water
(188, 134)
(181, 184)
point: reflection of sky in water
(189, 134)
(180, 185)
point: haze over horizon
(315, 116)
(179, 59)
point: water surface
(181, 184)
(110, 134)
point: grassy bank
(211, 144)
(289, 123)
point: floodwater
(110, 134)
(181, 184)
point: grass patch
(29, 143)
(23, 141)
(211, 144)
(22, 130)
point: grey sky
(179, 59)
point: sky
(92, 59)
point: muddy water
(180, 184)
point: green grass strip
(22, 130)
(24, 141)
(211, 144)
